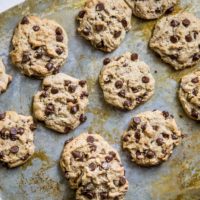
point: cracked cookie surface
(176, 40)
(126, 81)
(151, 9)
(104, 23)
(189, 94)
(39, 47)
(5, 79)
(151, 137)
(16, 138)
(93, 168)
(61, 103)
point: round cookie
(61, 103)
(5, 79)
(126, 81)
(94, 168)
(104, 23)
(16, 138)
(151, 137)
(189, 94)
(176, 40)
(151, 9)
(39, 47)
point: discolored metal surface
(41, 177)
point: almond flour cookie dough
(93, 168)
(39, 47)
(104, 23)
(5, 79)
(61, 103)
(189, 94)
(151, 137)
(16, 138)
(151, 9)
(176, 40)
(126, 81)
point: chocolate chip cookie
(16, 138)
(176, 40)
(61, 103)
(151, 137)
(104, 23)
(189, 94)
(93, 168)
(5, 79)
(151, 9)
(39, 47)
(126, 81)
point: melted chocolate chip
(124, 23)
(58, 31)
(165, 135)
(188, 38)
(92, 166)
(134, 56)
(122, 181)
(81, 14)
(89, 194)
(145, 79)
(49, 109)
(54, 90)
(169, 10)
(2, 116)
(49, 66)
(72, 88)
(25, 57)
(36, 28)
(82, 118)
(118, 84)
(99, 27)
(14, 149)
(77, 155)
(100, 7)
(196, 57)
(117, 34)
(159, 141)
(106, 61)
(174, 23)
(25, 20)
(90, 139)
(195, 80)
(186, 22)
(82, 83)
(122, 93)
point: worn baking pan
(41, 178)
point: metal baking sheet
(41, 178)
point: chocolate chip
(56, 69)
(112, 153)
(99, 27)
(44, 94)
(59, 51)
(145, 79)
(67, 82)
(54, 90)
(165, 114)
(25, 157)
(58, 31)
(100, 7)
(108, 79)
(155, 127)
(138, 154)
(188, 38)
(108, 158)
(127, 104)
(92, 166)
(74, 101)
(117, 34)
(90, 139)
(137, 135)
(49, 109)
(143, 127)
(136, 120)
(195, 80)
(165, 135)
(36, 28)
(124, 23)
(2, 116)
(77, 155)
(67, 129)
(195, 92)
(1, 154)
(74, 109)
(118, 84)
(169, 10)
(122, 181)
(105, 165)
(82, 118)
(150, 154)
(25, 20)
(122, 93)
(174, 23)
(106, 61)
(89, 194)
(25, 57)
(159, 141)
(13, 137)
(158, 10)
(82, 83)
(104, 195)
(174, 137)
(14, 149)
(59, 38)
(84, 94)
(195, 34)
(174, 38)
(174, 56)
(126, 138)
(38, 54)
(20, 131)
(72, 88)
(196, 57)
(135, 90)
(13, 131)
(49, 66)
(86, 31)
(69, 140)
(194, 113)
(134, 56)
(186, 22)
(93, 148)
(3, 134)
(33, 127)
(81, 14)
